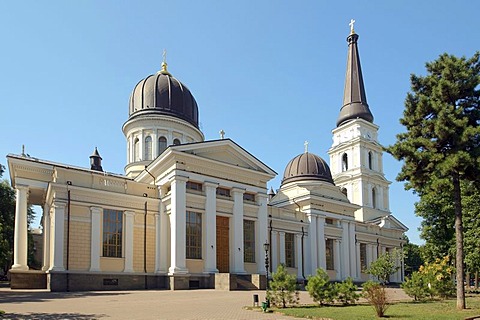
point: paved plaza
(192, 304)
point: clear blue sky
(269, 73)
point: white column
(95, 238)
(282, 247)
(274, 248)
(210, 227)
(46, 237)
(359, 264)
(178, 226)
(238, 264)
(261, 232)
(163, 246)
(345, 259)
(58, 221)
(353, 250)
(20, 241)
(381, 204)
(160, 236)
(298, 253)
(154, 144)
(128, 253)
(312, 235)
(321, 243)
(336, 259)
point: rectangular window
(290, 250)
(112, 233)
(328, 221)
(329, 254)
(248, 241)
(224, 192)
(363, 257)
(250, 197)
(194, 235)
(194, 186)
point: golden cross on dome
(352, 22)
(164, 63)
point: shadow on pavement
(12, 296)
(50, 316)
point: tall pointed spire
(354, 98)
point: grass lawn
(445, 309)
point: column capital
(281, 233)
(21, 187)
(97, 210)
(238, 190)
(209, 184)
(178, 178)
(129, 213)
(59, 204)
(298, 235)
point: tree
(385, 265)
(416, 286)
(283, 288)
(7, 216)
(376, 296)
(441, 145)
(412, 257)
(320, 288)
(346, 291)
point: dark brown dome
(307, 166)
(163, 94)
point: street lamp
(266, 247)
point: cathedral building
(189, 213)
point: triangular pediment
(389, 222)
(224, 151)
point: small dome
(163, 94)
(307, 166)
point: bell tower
(356, 156)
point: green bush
(346, 292)
(438, 277)
(376, 296)
(320, 288)
(283, 288)
(416, 286)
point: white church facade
(189, 213)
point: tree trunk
(476, 280)
(457, 198)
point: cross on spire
(222, 134)
(306, 146)
(164, 63)
(352, 22)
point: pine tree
(441, 144)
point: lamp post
(266, 247)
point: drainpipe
(69, 183)
(145, 244)
(270, 241)
(303, 257)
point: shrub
(376, 295)
(283, 288)
(385, 265)
(346, 292)
(320, 288)
(416, 286)
(438, 277)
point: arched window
(344, 162)
(176, 142)
(148, 148)
(162, 144)
(136, 150)
(374, 198)
(370, 160)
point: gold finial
(352, 22)
(164, 63)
